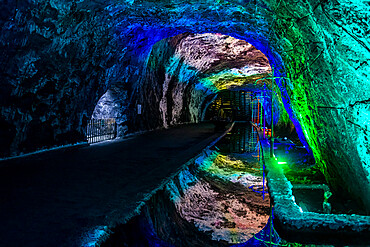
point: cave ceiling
(223, 62)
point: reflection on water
(219, 200)
(243, 138)
(229, 198)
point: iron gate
(101, 130)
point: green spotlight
(281, 162)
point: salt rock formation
(59, 57)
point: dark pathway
(52, 199)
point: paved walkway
(52, 199)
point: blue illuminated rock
(60, 57)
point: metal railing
(98, 130)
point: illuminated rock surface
(175, 67)
(230, 211)
(60, 57)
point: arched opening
(189, 76)
(61, 58)
(109, 120)
(200, 77)
(196, 77)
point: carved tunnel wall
(60, 57)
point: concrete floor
(56, 198)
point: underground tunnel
(199, 123)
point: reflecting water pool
(218, 199)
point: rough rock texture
(55, 66)
(198, 207)
(214, 206)
(217, 197)
(171, 92)
(329, 89)
(111, 105)
(297, 225)
(59, 58)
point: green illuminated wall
(326, 52)
(59, 57)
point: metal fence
(101, 130)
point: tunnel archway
(291, 46)
(112, 105)
(207, 85)
(67, 66)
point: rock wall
(326, 59)
(172, 89)
(57, 60)
(60, 57)
(114, 104)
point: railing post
(272, 116)
(91, 130)
(100, 128)
(115, 129)
(94, 131)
